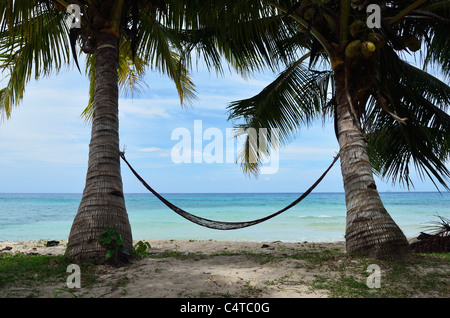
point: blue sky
(44, 146)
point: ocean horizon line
(164, 193)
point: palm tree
(36, 40)
(121, 39)
(389, 115)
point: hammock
(219, 225)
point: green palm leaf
(248, 35)
(160, 48)
(296, 97)
(423, 141)
(30, 49)
(438, 41)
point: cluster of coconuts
(365, 44)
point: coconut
(356, 28)
(377, 39)
(353, 49)
(367, 48)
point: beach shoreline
(34, 247)
(39, 247)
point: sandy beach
(204, 269)
(231, 272)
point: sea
(320, 217)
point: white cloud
(301, 153)
(149, 149)
(299, 150)
(164, 154)
(144, 107)
(47, 128)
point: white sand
(215, 276)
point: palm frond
(159, 47)
(30, 48)
(88, 111)
(132, 66)
(429, 24)
(438, 54)
(423, 141)
(294, 99)
(248, 35)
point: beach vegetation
(142, 249)
(436, 238)
(399, 279)
(250, 290)
(121, 284)
(25, 275)
(23, 268)
(345, 276)
(113, 242)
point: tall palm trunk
(102, 205)
(369, 227)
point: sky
(44, 146)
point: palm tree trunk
(370, 230)
(102, 205)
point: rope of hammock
(219, 225)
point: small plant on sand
(440, 228)
(113, 242)
(436, 240)
(141, 249)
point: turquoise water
(320, 217)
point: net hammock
(221, 225)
